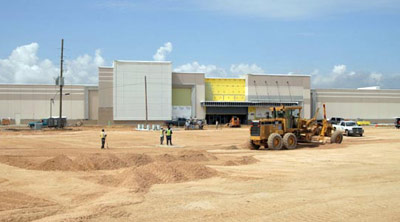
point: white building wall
(129, 90)
(275, 88)
(32, 102)
(379, 105)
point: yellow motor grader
(285, 129)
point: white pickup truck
(349, 128)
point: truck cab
(335, 120)
(397, 122)
(44, 122)
(349, 128)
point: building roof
(135, 61)
(283, 75)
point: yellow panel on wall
(225, 89)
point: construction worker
(216, 124)
(168, 133)
(103, 136)
(162, 131)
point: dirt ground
(206, 176)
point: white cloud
(196, 67)
(339, 69)
(291, 9)
(162, 52)
(341, 78)
(245, 69)
(24, 66)
(84, 69)
(215, 71)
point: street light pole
(61, 82)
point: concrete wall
(32, 102)
(93, 104)
(195, 81)
(376, 105)
(105, 113)
(275, 88)
(129, 90)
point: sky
(340, 43)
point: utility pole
(145, 98)
(61, 82)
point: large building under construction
(133, 91)
(126, 88)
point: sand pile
(98, 161)
(133, 159)
(60, 162)
(17, 161)
(195, 156)
(165, 158)
(244, 160)
(140, 179)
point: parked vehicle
(397, 123)
(235, 122)
(176, 122)
(335, 120)
(44, 122)
(349, 128)
(194, 124)
(49, 122)
(363, 122)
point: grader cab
(285, 128)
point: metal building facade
(129, 99)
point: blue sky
(341, 43)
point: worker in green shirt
(168, 133)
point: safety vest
(162, 133)
(103, 135)
(169, 132)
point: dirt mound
(17, 161)
(140, 179)
(60, 162)
(247, 160)
(244, 160)
(99, 161)
(165, 157)
(195, 156)
(230, 163)
(193, 171)
(136, 159)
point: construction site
(207, 175)
(258, 148)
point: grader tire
(252, 146)
(275, 141)
(290, 141)
(337, 137)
